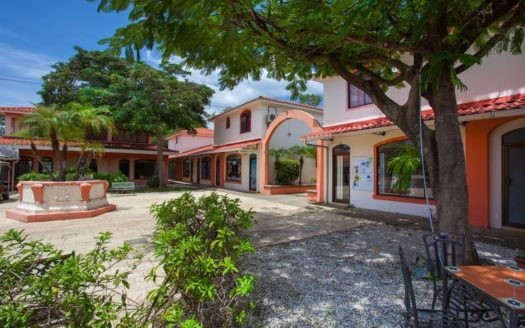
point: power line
(19, 81)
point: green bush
(199, 245)
(153, 182)
(111, 177)
(287, 172)
(34, 176)
(40, 287)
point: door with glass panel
(514, 178)
(341, 174)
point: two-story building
(238, 155)
(129, 152)
(360, 140)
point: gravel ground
(344, 279)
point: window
(186, 168)
(386, 181)
(46, 165)
(176, 140)
(233, 168)
(206, 165)
(246, 121)
(144, 169)
(227, 122)
(357, 97)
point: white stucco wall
(244, 185)
(184, 143)
(286, 136)
(363, 145)
(499, 75)
(259, 111)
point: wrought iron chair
(417, 318)
(448, 249)
(443, 249)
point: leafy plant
(40, 286)
(403, 166)
(520, 253)
(111, 177)
(288, 171)
(303, 152)
(199, 245)
(154, 182)
(34, 176)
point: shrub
(288, 172)
(111, 177)
(34, 176)
(199, 245)
(39, 286)
(153, 182)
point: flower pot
(520, 261)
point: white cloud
(18, 63)
(244, 91)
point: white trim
(495, 171)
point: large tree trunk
(448, 172)
(160, 155)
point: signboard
(362, 173)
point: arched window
(227, 122)
(246, 121)
(233, 168)
(388, 182)
(206, 166)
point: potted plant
(520, 258)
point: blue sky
(34, 34)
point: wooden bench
(123, 187)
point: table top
(503, 283)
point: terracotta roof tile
(17, 109)
(470, 108)
(6, 140)
(202, 132)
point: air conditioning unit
(270, 118)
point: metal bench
(123, 187)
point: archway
(314, 125)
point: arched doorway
(314, 125)
(513, 162)
(341, 174)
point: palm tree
(63, 125)
(278, 154)
(303, 152)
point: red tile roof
(218, 148)
(16, 109)
(201, 132)
(470, 108)
(6, 140)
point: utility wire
(19, 81)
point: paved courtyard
(316, 266)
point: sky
(34, 34)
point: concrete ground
(279, 219)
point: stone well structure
(52, 200)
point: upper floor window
(227, 122)
(246, 121)
(357, 97)
(390, 180)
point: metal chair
(443, 249)
(419, 318)
(448, 249)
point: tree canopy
(138, 96)
(375, 45)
